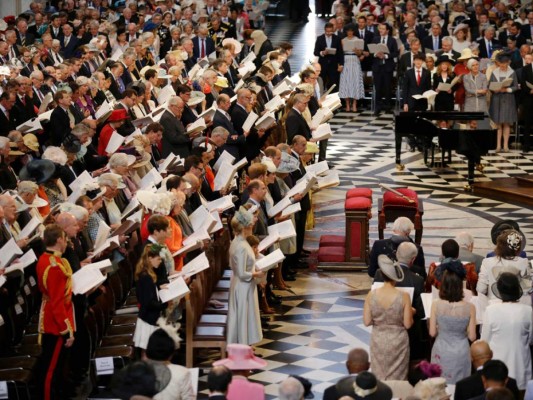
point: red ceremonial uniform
(56, 322)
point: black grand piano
(472, 143)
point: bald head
(480, 353)
(357, 361)
(68, 223)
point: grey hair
(56, 42)
(448, 39)
(464, 239)
(406, 252)
(291, 389)
(4, 142)
(471, 62)
(15, 136)
(147, 35)
(219, 131)
(118, 160)
(27, 187)
(76, 211)
(108, 179)
(403, 225)
(174, 100)
(79, 130)
(55, 154)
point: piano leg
(471, 167)
(399, 165)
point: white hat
(271, 167)
(236, 44)
(159, 203)
(196, 98)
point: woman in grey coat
(476, 89)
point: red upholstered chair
(359, 192)
(331, 254)
(393, 206)
(332, 241)
(358, 212)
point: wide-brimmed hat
(236, 44)
(142, 161)
(222, 82)
(311, 148)
(390, 268)
(504, 225)
(432, 389)
(444, 58)
(39, 171)
(460, 27)
(306, 383)
(159, 203)
(365, 386)
(196, 98)
(503, 57)
(30, 141)
(38, 202)
(241, 357)
(288, 163)
(71, 144)
(466, 54)
(118, 115)
(507, 287)
(4, 70)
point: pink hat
(241, 357)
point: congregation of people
(441, 57)
(130, 172)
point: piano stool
(392, 206)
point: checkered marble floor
(320, 319)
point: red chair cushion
(391, 199)
(357, 203)
(359, 192)
(332, 240)
(331, 254)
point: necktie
(361, 34)
(12, 52)
(202, 50)
(489, 49)
(23, 40)
(383, 39)
(418, 77)
(39, 94)
(67, 39)
(435, 43)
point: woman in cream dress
(244, 322)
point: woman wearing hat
(83, 99)
(389, 312)
(476, 88)
(506, 259)
(503, 110)
(508, 327)
(460, 38)
(453, 323)
(244, 322)
(115, 121)
(444, 101)
(459, 70)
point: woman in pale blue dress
(453, 323)
(351, 81)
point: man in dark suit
(401, 229)
(218, 381)
(418, 335)
(406, 60)
(203, 45)
(474, 385)
(447, 49)
(356, 362)
(129, 97)
(37, 28)
(61, 121)
(328, 49)
(24, 38)
(55, 28)
(237, 137)
(175, 139)
(69, 42)
(433, 42)
(383, 67)
(527, 102)
(7, 120)
(416, 81)
(222, 118)
(527, 29)
(487, 44)
(363, 33)
(295, 124)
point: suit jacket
(6, 125)
(465, 255)
(175, 139)
(472, 386)
(209, 47)
(411, 87)
(527, 31)
(344, 387)
(483, 51)
(8, 179)
(330, 62)
(404, 62)
(30, 38)
(427, 43)
(295, 124)
(70, 49)
(388, 246)
(526, 76)
(387, 64)
(59, 126)
(291, 180)
(238, 117)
